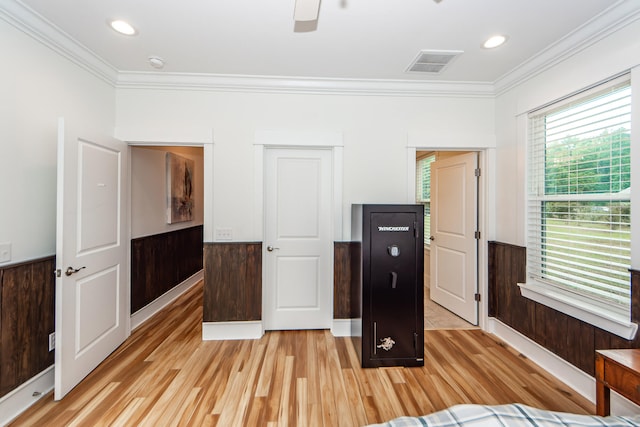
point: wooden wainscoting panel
(27, 305)
(344, 295)
(493, 275)
(509, 269)
(572, 339)
(162, 261)
(232, 282)
(551, 330)
(635, 296)
(580, 344)
(253, 273)
(355, 262)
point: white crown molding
(36, 26)
(619, 15)
(30, 22)
(614, 18)
(240, 83)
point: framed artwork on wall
(179, 188)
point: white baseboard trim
(564, 371)
(216, 331)
(142, 315)
(18, 400)
(341, 327)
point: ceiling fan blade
(306, 10)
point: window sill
(590, 311)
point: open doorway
(166, 240)
(441, 314)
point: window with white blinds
(579, 210)
(423, 192)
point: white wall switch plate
(224, 234)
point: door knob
(432, 238)
(271, 248)
(71, 270)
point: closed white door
(454, 246)
(298, 261)
(91, 254)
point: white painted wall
(608, 57)
(148, 189)
(375, 132)
(37, 86)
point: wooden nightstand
(617, 370)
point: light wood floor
(164, 374)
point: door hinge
(477, 297)
(476, 235)
(477, 172)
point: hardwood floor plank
(406, 399)
(184, 414)
(164, 374)
(358, 412)
(311, 372)
(125, 417)
(327, 398)
(277, 384)
(423, 403)
(286, 406)
(249, 386)
(264, 382)
(302, 403)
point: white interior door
(91, 254)
(453, 225)
(298, 289)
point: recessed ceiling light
(494, 41)
(123, 27)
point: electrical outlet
(52, 341)
(224, 234)
(5, 252)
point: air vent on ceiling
(432, 61)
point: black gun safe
(389, 284)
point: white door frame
(298, 139)
(486, 156)
(193, 138)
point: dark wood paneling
(355, 263)
(635, 296)
(506, 270)
(346, 304)
(570, 338)
(27, 303)
(163, 261)
(232, 282)
(580, 344)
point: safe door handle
(394, 279)
(71, 270)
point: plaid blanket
(514, 415)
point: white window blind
(579, 206)
(423, 192)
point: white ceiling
(353, 39)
